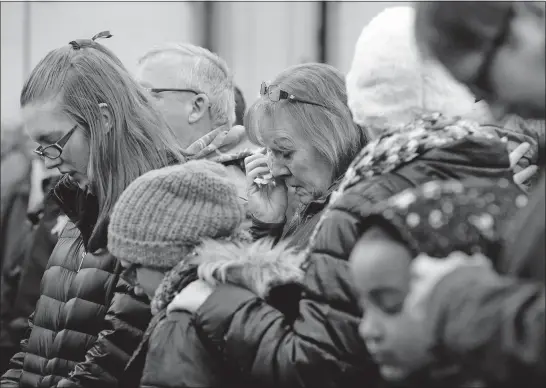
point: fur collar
(258, 266)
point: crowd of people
(375, 229)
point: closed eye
(287, 155)
(282, 154)
(389, 300)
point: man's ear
(106, 116)
(199, 107)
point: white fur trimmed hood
(258, 266)
(389, 80)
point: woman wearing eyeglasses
(96, 125)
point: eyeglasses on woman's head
(275, 94)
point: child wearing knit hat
(436, 219)
(164, 214)
(170, 227)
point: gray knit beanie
(165, 213)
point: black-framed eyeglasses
(55, 150)
(275, 94)
(161, 90)
(481, 85)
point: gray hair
(207, 73)
(329, 128)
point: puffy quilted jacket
(78, 323)
(20, 284)
(322, 347)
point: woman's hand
(191, 297)
(521, 176)
(268, 203)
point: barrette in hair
(102, 35)
(75, 45)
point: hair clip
(75, 45)
(102, 35)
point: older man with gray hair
(194, 89)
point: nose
(278, 167)
(369, 329)
(52, 163)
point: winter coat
(176, 355)
(20, 286)
(322, 347)
(78, 323)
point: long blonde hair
(79, 77)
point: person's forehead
(280, 122)
(43, 121)
(380, 263)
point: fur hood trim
(257, 266)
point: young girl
(436, 219)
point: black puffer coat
(70, 324)
(322, 347)
(20, 284)
(175, 355)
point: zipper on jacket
(81, 260)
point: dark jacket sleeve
(492, 324)
(13, 375)
(177, 358)
(124, 325)
(259, 341)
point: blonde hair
(207, 73)
(139, 139)
(328, 128)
